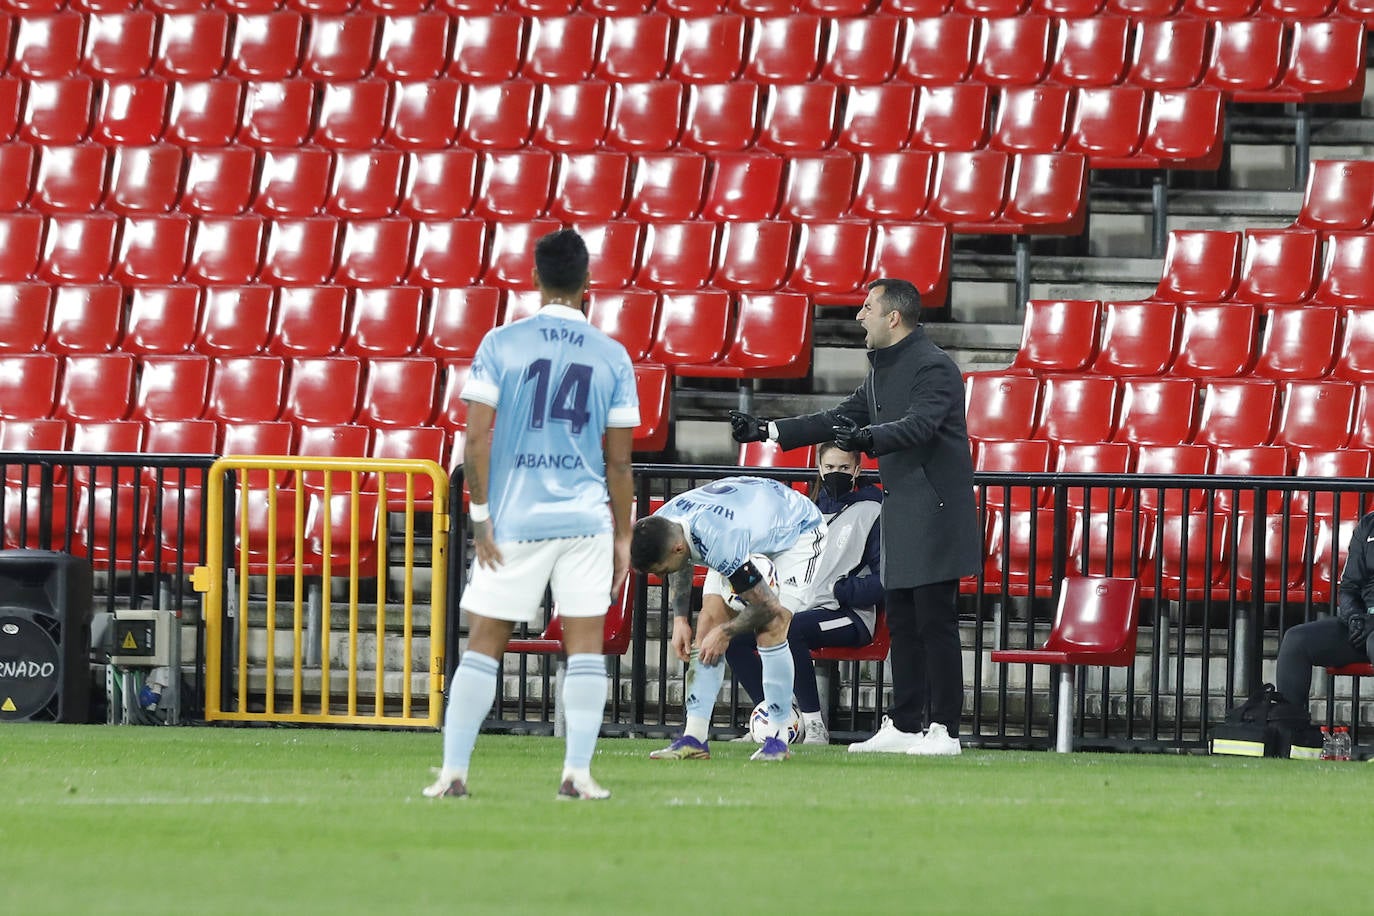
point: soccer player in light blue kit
(721, 525)
(542, 395)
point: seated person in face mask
(845, 589)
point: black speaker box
(45, 635)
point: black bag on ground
(1267, 725)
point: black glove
(747, 428)
(1358, 629)
(851, 437)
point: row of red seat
(1196, 340)
(1296, 415)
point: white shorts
(578, 569)
(795, 567)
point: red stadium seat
(498, 115)
(171, 388)
(645, 117)
(1339, 196)
(892, 185)
(691, 328)
(452, 411)
(655, 386)
(1247, 55)
(339, 48)
(16, 175)
(411, 443)
(1169, 53)
(937, 50)
(1184, 130)
(486, 48)
(374, 252)
(1355, 355)
(246, 389)
(951, 117)
(771, 338)
(676, 256)
(95, 387)
(1295, 9)
(769, 454)
(1117, 543)
(1326, 63)
(276, 113)
(234, 320)
(119, 45)
(36, 435)
(634, 48)
(365, 183)
(572, 116)
(1013, 50)
(161, 319)
(351, 115)
(510, 262)
(1315, 415)
(399, 392)
(627, 315)
(1091, 51)
(1199, 266)
(1298, 343)
(753, 255)
(666, 186)
(24, 309)
(709, 49)
(457, 320)
(1347, 271)
(919, 252)
(721, 116)
(46, 46)
(1093, 458)
(1020, 456)
(85, 319)
(877, 119)
(11, 89)
(299, 251)
(560, 48)
(1032, 119)
(817, 186)
(1137, 338)
(218, 181)
(783, 49)
(266, 46)
(514, 185)
(799, 117)
(322, 390)
(143, 179)
(969, 187)
(412, 47)
(292, 182)
(1319, 465)
(1108, 125)
(152, 249)
(204, 113)
(743, 186)
(78, 248)
(1076, 408)
(383, 322)
(1216, 340)
(70, 179)
(439, 183)
(1362, 426)
(1058, 335)
(1247, 461)
(861, 51)
(263, 437)
(590, 186)
(191, 45)
(309, 321)
(831, 258)
(21, 239)
(614, 249)
(28, 385)
(1236, 412)
(57, 111)
(1172, 460)
(448, 252)
(1001, 406)
(1156, 411)
(424, 116)
(1279, 266)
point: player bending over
(720, 525)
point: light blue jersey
(731, 518)
(556, 383)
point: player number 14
(569, 402)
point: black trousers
(1321, 642)
(927, 659)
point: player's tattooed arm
(761, 608)
(680, 592)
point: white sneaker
(936, 742)
(816, 732)
(454, 787)
(580, 787)
(889, 739)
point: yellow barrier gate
(271, 658)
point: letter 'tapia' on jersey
(731, 518)
(556, 383)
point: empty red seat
(1362, 425)
(322, 390)
(143, 179)
(78, 248)
(1247, 55)
(1279, 266)
(424, 442)
(1200, 265)
(365, 183)
(753, 255)
(892, 185)
(707, 49)
(412, 47)
(817, 186)
(937, 50)
(152, 249)
(24, 309)
(299, 251)
(1325, 63)
(1298, 343)
(266, 46)
(1315, 415)
(21, 240)
(877, 118)
(276, 113)
(28, 383)
(1236, 412)
(452, 411)
(1157, 412)
(16, 175)
(1339, 195)
(439, 183)
(119, 44)
(204, 113)
(951, 117)
(1247, 461)
(338, 48)
(486, 48)
(191, 45)
(559, 49)
(172, 388)
(511, 257)
(57, 111)
(1347, 270)
(1325, 464)
(36, 435)
(861, 51)
(614, 249)
(1216, 340)
(218, 181)
(969, 187)
(831, 258)
(590, 186)
(666, 186)
(95, 387)
(1090, 51)
(1001, 406)
(1030, 119)
(423, 115)
(46, 46)
(1093, 458)
(783, 49)
(131, 112)
(292, 182)
(768, 454)
(627, 315)
(448, 252)
(634, 48)
(1076, 408)
(645, 116)
(514, 185)
(721, 116)
(743, 186)
(1355, 355)
(1013, 50)
(264, 437)
(799, 117)
(691, 328)
(384, 323)
(161, 319)
(1108, 125)
(85, 319)
(225, 249)
(351, 115)
(572, 116)
(676, 255)
(1058, 335)
(1137, 338)
(309, 321)
(70, 179)
(1169, 53)
(399, 392)
(234, 320)
(770, 338)
(655, 387)
(919, 252)
(498, 115)
(246, 389)
(1019, 456)
(374, 252)
(1172, 460)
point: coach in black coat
(909, 413)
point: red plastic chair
(1315, 415)
(225, 250)
(1013, 50)
(70, 179)
(666, 186)
(486, 48)
(300, 251)
(1247, 461)
(572, 116)
(614, 249)
(511, 258)
(161, 319)
(937, 50)
(1091, 51)
(1247, 56)
(769, 454)
(21, 239)
(95, 387)
(634, 48)
(398, 392)
(384, 322)
(831, 258)
(322, 391)
(235, 321)
(171, 388)
(799, 117)
(218, 182)
(439, 184)
(1030, 119)
(1108, 125)
(412, 47)
(267, 437)
(861, 51)
(246, 389)
(691, 328)
(28, 385)
(817, 186)
(1355, 355)
(783, 49)
(292, 182)
(1076, 408)
(645, 117)
(721, 116)
(655, 387)
(498, 115)
(1362, 426)
(514, 185)
(1298, 343)
(276, 113)
(452, 411)
(119, 45)
(78, 248)
(1156, 411)
(457, 320)
(1093, 458)
(374, 252)
(424, 115)
(708, 49)
(266, 46)
(893, 186)
(1028, 456)
(1058, 335)
(57, 111)
(448, 253)
(1347, 271)
(1001, 406)
(743, 186)
(338, 48)
(191, 45)
(1137, 338)
(1236, 412)
(410, 443)
(676, 256)
(1279, 267)
(16, 175)
(627, 315)
(1095, 624)
(308, 321)
(590, 186)
(969, 188)
(204, 113)
(1319, 465)
(85, 319)
(951, 118)
(24, 310)
(1170, 53)
(753, 255)
(47, 46)
(1216, 340)
(771, 338)
(920, 252)
(143, 179)
(1325, 63)
(877, 119)
(1199, 266)
(365, 184)
(1339, 195)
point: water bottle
(1328, 743)
(1342, 743)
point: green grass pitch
(285, 821)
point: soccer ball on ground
(770, 575)
(758, 725)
